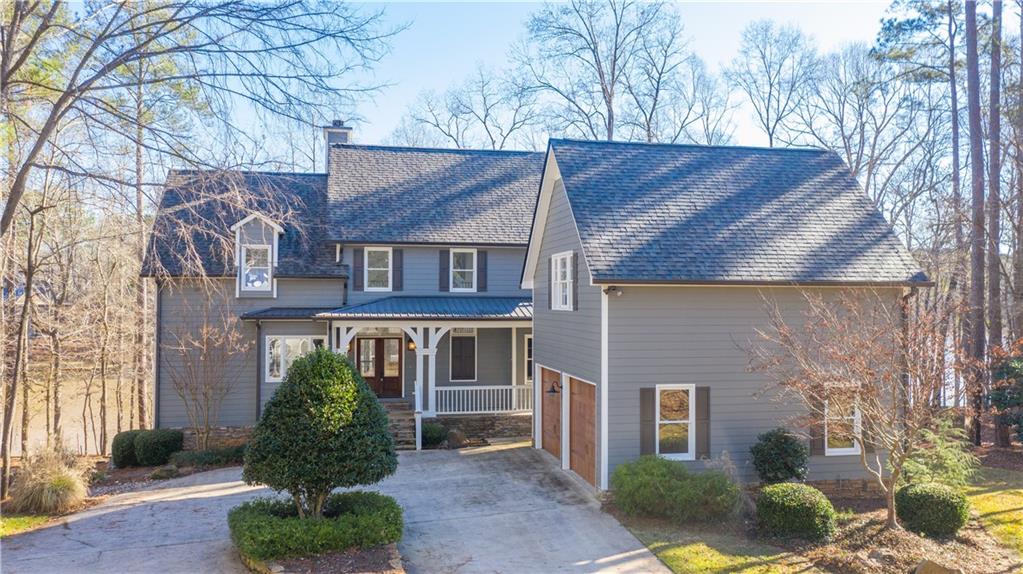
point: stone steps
(402, 424)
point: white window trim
(691, 455)
(390, 269)
(266, 353)
(269, 270)
(451, 271)
(525, 358)
(476, 356)
(857, 431)
(556, 301)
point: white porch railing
(486, 399)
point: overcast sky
(444, 42)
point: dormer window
(256, 268)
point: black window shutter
(463, 358)
(575, 282)
(647, 421)
(357, 269)
(817, 435)
(398, 268)
(550, 283)
(702, 422)
(445, 262)
(481, 270)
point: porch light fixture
(411, 345)
(555, 388)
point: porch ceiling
(453, 308)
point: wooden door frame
(402, 341)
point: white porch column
(417, 336)
(345, 338)
(515, 362)
(431, 357)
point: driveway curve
(504, 508)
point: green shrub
(434, 434)
(154, 447)
(790, 509)
(932, 509)
(226, 456)
(270, 528)
(654, 486)
(944, 457)
(780, 456)
(122, 449)
(51, 481)
(322, 429)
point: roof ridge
(178, 171)
(552, 141)
(466, 151)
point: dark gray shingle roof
(194, 219)
(409, 195)
(691, 214)
(438, 308)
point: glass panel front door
(380, 365)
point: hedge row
(145, 447)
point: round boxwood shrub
(434, 434)
(658, 487)
(155, 447)
(322, 429)
(271, 528)
(932, 509)
(790, 509)
(122, 449)
(779, 456)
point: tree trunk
(994, 203)
(58, 429)
(26, 395)
(975, 312)
(141, 299)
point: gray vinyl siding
(700, 336)
(422, 273)
(567, 341)
(180, 309)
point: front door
(380, 365)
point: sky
(445, 41)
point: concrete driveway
(504, 508)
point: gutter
(156, 355)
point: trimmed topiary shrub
(790, 509)
(322, 429)
(155, 447)
(780, 456)
(658, 487)
(271, 528)
(122, 449)
(225, 456)
(932, 509)
(51, 481)
(434, 434)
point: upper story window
(463, 270)
(842, 426)
(378, 269)
(256, 267)
(561, 281)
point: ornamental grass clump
(323, 429)
(51, 481)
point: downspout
(156, 355)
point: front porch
(453, 356)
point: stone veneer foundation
(489, 426)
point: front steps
(402, 423)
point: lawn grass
(997, 499)
(686, 551)
(15, 523)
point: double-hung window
(676, 410)
(378, 269)
(256, 268)
(282, 351)
(463, 270)
(842, 426)
(463, 354)
(561, 281)
(529, 358)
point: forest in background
(100, 100)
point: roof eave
(761, 283)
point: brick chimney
(336, 133)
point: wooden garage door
(551, 413)
(582, 451)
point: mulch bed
(862, 545)
(378, 560)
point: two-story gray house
(596, 296)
